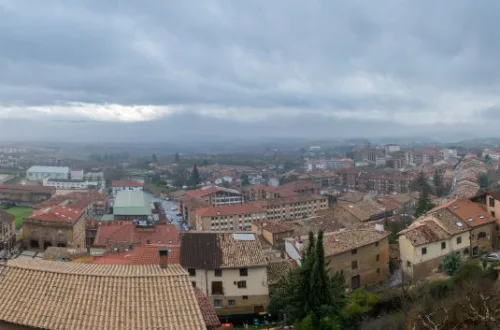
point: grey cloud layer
(419, 62)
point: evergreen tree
(424, 203)
(420, 183)
(483, 181)
(438, 183)
(195, 176)
(319, 283)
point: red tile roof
(214, 211)
(25, 187)
(140, 255)
(76, 199)
(130, 183)
(127, 233)
(59, 214)
(207, 310)
(474, 215)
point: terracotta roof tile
(274, 227)
(60, 214)
(6, 187)
(140, 255)
(86, 296)
(469, 212)
(277, 270)
(424, 233)
(207, 310)
(128, 233)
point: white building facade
(39, 173)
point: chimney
(163, 253)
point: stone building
(55, 226)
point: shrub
(452, 263)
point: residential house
(93, 202)
(55, 226)
(274, 232)
(230, 268)
(493, 208)
(361, 254)
(114, 297)
(238, 217)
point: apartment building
(238, 217)
(38, 173)
(293, 207)
(230, 268)
(361, 254)
(387, 183)
(207, 196)
(55, 226)
(460, 226)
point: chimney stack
(163, 253)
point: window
(192, 271)
(231, 303)
(217, 288)
(218, 273)
(245, 297)
(492, 213)
(355, 282)
(443, 245)
(354, 265)
(243, 271)
(242, 284)
(408, 264)
(355, 251)
(378, 257)
(376, 243)
(218, 303)
(492, 202)
(482, 235)
(459, 240)
(424, 251)
(378, 270)
(193, 284)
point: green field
(20, 213)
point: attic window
(454, 207)
(470, 219)
(459, 224)
(481, 217)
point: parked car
(492, 257)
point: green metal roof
(131, 203)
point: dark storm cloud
(414, 63)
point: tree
(310, 292)
(195, 176)
(424, 203)
(483, 181)
(112, 174)
(244, 180)
(420, 183)
(177, 158)
(155, 158)
(438, 183)
(452, 263)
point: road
(172, 215)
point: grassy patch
(20, 213)
(154, 189)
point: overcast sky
(163, 69)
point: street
(171, 215)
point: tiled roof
(277, 270)
(200, 193)
(474, 215)
(140, 255)
(450, 222)
(53, 253)
(346, 240)
(275, 227)
(424, 233)
(362, 210)
(85, 296)
(76, 199)
(59, 214)
(207, 310)
(6, 187)
(128, 233)
(130, 183)
(214, 211)
(220, 250)
(6, 217)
